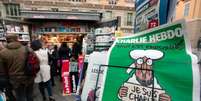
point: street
(57, 93)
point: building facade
(191, 11)
(69, 16)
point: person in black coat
(54, 56)
(77, 48)
(64, 54)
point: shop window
(12, 9)
(186, 9)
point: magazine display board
(161, 66)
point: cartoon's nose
(144, 65)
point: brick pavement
(57, 93)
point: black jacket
(64, 53)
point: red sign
(153, 23)
(80, 61)
(66, 78)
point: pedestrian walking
(12, 60)
(64, 54)
(43, 76)
(77, 48)
(74, 72)
(54, 67)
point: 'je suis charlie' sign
(163, 67)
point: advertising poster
(150, 13)
(162, 67)
(91, 89)
(66, 78)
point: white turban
(152, 54)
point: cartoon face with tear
(139, 86)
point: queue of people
(13, 57)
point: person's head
(73, 59)
(11, 37)
(64, 45)
(55, 47)
(24, 43)
(36, 45)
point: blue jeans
(47, 85)
(24, 93)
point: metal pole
(99, 68)
(152, 85)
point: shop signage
(66, 78)
(150, 13)
(67, 15)
(161, 67)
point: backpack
(32, 64)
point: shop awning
(68, 15)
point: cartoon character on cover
(143, 76)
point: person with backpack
(13, 58)
(43, 76)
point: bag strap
(26, 55)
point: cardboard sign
(66, 78)
(139, 93)
(160, 58)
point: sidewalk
(57, 93)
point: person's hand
(123, 91)
(164, 97)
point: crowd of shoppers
(13, 56)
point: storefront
(57, 27)
(57, 31)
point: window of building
(112, 1)
(93, 10)
(75, 10)
(34, 9)
(55, 9)
(108, 15)
(186, 9)
(129, 21)
(12, 9)
(129, 1)
(77, 0)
